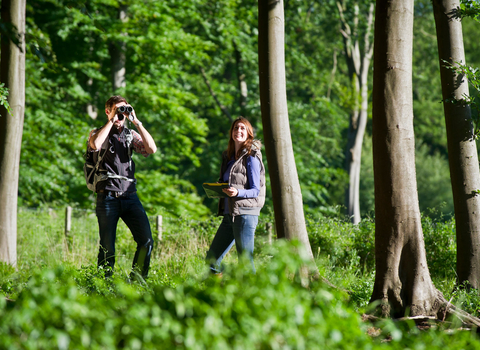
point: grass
(183, 307)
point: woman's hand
(231, 191)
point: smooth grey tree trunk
(402, 279)
(287, 196)
(358, 56)
(12, 70)
(462, 149)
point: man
(116, 190)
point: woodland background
(180, 56)
(191, 67)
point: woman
(242, 168)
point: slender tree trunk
(92, 110)
(287, 197)
(462, 149)
(358, 63)
(12, 68)
(402, 280)
(332, 73)
(242, 83)
(117, 56)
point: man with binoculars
(116, 191)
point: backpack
(91, 168)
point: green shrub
(60, 309)
(58, 299)
(343, 244)
(441, 248)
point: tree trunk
(12, 68)
(117, 56)
(402, 280)
(242, 83)
(287, 197)
(358, 63)
(92, 110)
(462, 149)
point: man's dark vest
(117, 162)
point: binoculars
(124, 109)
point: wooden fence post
(68, 221)
(160, 227)
(68, 227)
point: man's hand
(133, 117)
(112, 116)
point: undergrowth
(58, 299)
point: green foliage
(367, 186)
(433, 183)
(469, 8)
(345, 246)
(429, 122)
(240, 311)
(68, 63)
(168, 43)
(441, 248)
(341, 246)
(319, 156)
(466, 298)
(3, 98)
(169, 195)
(58, 299)
(473, 77)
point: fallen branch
(448, 309)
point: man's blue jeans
(109, 210)
(239, 230)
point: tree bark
(402, 279)
(358, 62)
(287, 197)
(462, 149)
(12, 68)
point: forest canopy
(186, 60)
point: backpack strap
(100, 177)
(129, 139)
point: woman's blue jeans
(129, 208)
(239, 230)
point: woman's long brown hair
(246, 145)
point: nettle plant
(3, 97)
(472, 74)
(469, 8)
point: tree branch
(214, 95)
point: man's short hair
(114, 100)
